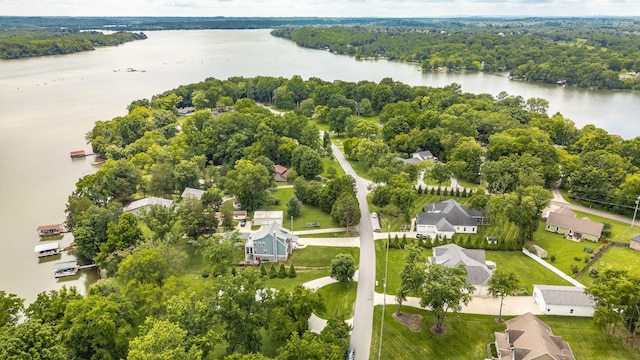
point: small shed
(563, 300)
(267, 217)
(635, 242)
(281, 174)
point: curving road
(363, 315)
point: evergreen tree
(273, 273)
(433, 190)
(457, 192)
(292, 271)
(234, 272)
(282, 272)
(263, 270)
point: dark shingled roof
(452, 255)
(450, 210)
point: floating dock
(50, 230)
(50, 249)
(78, 154)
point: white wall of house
(466, 229)
(426, 229)
(563, 310)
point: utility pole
(635, 212)
(384, 289)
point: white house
(447, 218)
(191, 192)
(146, 203)
(452, 255)
(563, 300)
(267, 217)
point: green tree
(146, 266)
(307, 162)
(217, 252)
(32, 339)
(346, 210)
(292, 272)
(290, 311)
(161, 339)
(502, 284)
(49, 306)
(120, 236)
(443, 290)
(194, 312)
(412, 276)
(343, 267)
(440, 173)
(187, 174)
(248, 182)
(10, 307)
(294, 207)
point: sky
(321, 8)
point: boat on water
(65, 268)
(50, 249)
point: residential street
(559, 201)
(363, 318)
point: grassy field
(566, 251)
(309, 214)
(340, 300)
(514, 261)
(331, 162)
(468, 335)
(616, 258)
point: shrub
(577, 258)
(282, 272)
(588, 250)
(234, 272)
(263, 270)
(292, 271)
(574, 269)
(273, 273)
(594, 272)
(552, 258)
(586, 258)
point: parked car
(374, 215)
(422, 236)
(351, 353)
(243, 222)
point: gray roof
(564, 295)
(282, 234)
(473, 259)
(636, 238)
(454, 213)
(147, 202)
(409, 160)
(583, 226)
(196, 193)
(423, 155)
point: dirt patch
(411, 321)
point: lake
(48, 104)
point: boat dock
(50, 230)
(50, 249)
(65, 268)
(78, 154)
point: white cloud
(321, 8)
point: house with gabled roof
(635, 242)
(564, 221)
(447, 218)
(528, 338)
(452, 255)
(191, 192)
(272, 243)
(281, 174)
(146, 203)
(563, 300)
(419, 156)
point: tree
(248, 182)
(343, 267)
(217, 252)
(290, 311)
(337, 118)
(294, 207)
(186, 174)
(443, 290)
(32, 339)
(194, 312)
(120, 236)
(307, 162)
(49, 306)
(501, 284)
(413, 274)
(161, 339)
(346, 210)
(10, 307)
(617, 300)
(292, 271)
(146, 266)
(440, 173)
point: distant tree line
(17, 44)
(588, 55)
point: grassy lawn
(616, 258)
(529, 271)
(565, 250)
(621, 232)
(321, 126)
(331, 162)
(467, 336)
(309, 214)
(341, 234)
(361, 168)
(340, 299)
(396, 263)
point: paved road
(363, 316)
(558, 200)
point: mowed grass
(615, 258)
(529, 272)
(309, 214)
(565, 250)
(311, 262)
(339, 300)
(330, 162)
(513, 261)
(468, 335)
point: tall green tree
(248, 182)
(444, 290)
(346, 210)
(10, 307)
(294, 207)
(343, 267)
(32, 339)
(502, 284)
(413, 274)
(161, 339)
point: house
(236, 204)
(49, 230)
(281, 174)
(418, 157)
(566, 223)
(635, 242)
(451, 255)
(267, 217)
(528, 338)
(184, 111)
(447, 218)
(237, 215)
(563, 300)
(191, 192)
(146, 203)
(271, 243)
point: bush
(282, 272)
(594, 272)
(273, 273)
(552, 258)
(577, 258)
(292, 272)
(586, 258)
(574, 269)
(263, 270)
(588, 250)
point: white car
(374, 215)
